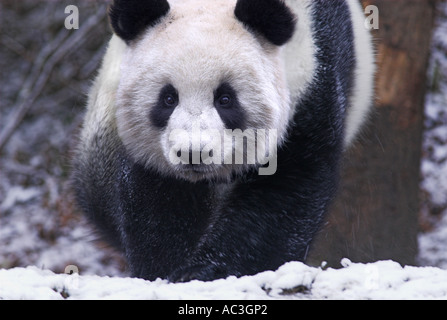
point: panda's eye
(170, 100)
(225, 100)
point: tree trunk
(375, 216)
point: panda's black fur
(270, 18)
(179, 230)
(129, 18)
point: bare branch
(47, 59)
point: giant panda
(181, 76)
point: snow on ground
(433, 246)
(380, 280)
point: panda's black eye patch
(227, 105)
(168, 99)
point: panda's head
(195, 70)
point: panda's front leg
(261, 234)
(264, 223)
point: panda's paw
(198, 272)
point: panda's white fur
(363, 87)
(299, 52)
(196, 47)
(101, 105)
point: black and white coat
(302, 67)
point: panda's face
(189, 81)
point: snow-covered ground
(380, 280)
(40, 228)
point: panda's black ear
(130, 17)
(271, 18)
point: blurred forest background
(45, 74)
